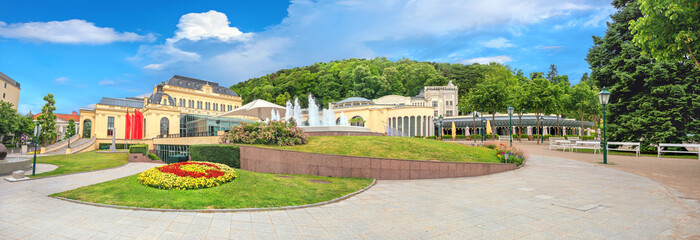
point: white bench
(587, 145)
(687, 146)
(626, 146)
(503, 138)
(553, 142)
(573, 138)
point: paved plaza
(548, 198)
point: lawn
(249, 190)
(81, 162)
(394, 147)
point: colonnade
(413, 125)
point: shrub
(515, 155)
(153, 156)
(187, 175)
(514, 136)
(446, 136)
(523, 136)
(547, 136)
(418, 136)
(487, 136)
(117, 145)
(224, 154)
(274, 132)
(431, 137)
(476, 136)
(140, 148)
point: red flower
(175, 169)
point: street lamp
(37, 131)
(474, 116)
(440, 126)
(604, 97)
(483, 124)
(542, 128)
(510, 128)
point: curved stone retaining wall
(342, 133)
(266, 160)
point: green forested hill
(370, 79)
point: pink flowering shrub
(275, 132)
(515, 155)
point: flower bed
(275, 132)
(187, 175)
(515, 155)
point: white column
(529, 130)
(545, 131)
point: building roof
(121, 102)
(355, 99)
(65, 117)
(9, 79)
(197, 84)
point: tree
(668, 30)
(540, 98)
(494, 94)
(47, 120)
(651, 101)
(8, 122)
(552, 73)
(584, 102)
(70, 131)
(26, 125)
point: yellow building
(391, 119)
(173, 109)
(9, 90)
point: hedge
(226, 154)
(140, 148)
(117, 145)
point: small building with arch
(390, 119)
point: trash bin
(176, 159)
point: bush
(153, 156)
(418, 136)
(274, 132)
(117, 145)
(140, 148)
(547, 136)
(523, 136)
(476, 136)
(446, 136)
(225, 154)
(514, 136)
(187, 175)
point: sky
(82, 51)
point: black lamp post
(542, 128)
(604, 97)
(483, 133)
(474, 116)
(440, 126)
(37, 132)
(510, 128)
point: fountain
(297, 113)
(289, 111)
(313, 112)
(321, 122)
(11, 164)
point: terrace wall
(267, 160)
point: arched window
(87, 128)
(357, 121)
(164, 126)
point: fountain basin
(338, 131)
(12, 164)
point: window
(357, 121)
(87, 128)
(110, 126)
(216, 107)
(5, 85)
(436, 114)
(434, 103)
(164, 126)
(448, 113)
(3, 95)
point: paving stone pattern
(549, 198)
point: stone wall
(340, 133)
(266, 160)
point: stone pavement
(549, 198)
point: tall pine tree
(652, 102)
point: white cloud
(106, 82)
(487, 60)
(61, 80)
(74, 31)
(211, 24)
(498, 43)
(318, 31)
(600, 17)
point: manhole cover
(319, 181)
(283, 176)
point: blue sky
(84, 50)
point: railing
(194, 134)
(62, 144)
(83, 146)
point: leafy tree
(8, 120)
(584, 102)
(494, 94)
(652, 101)
(48, 120)
(541, 98)
(26, 125)
(668, 29)
(70, 131)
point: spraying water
(289, 111)
(297, 112)
(343, 120)
(313, 112)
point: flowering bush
(275, 132)
(515, 155)
(187, 175)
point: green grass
(394, 147)
(249, 190)
(665, 155)
(82, 162)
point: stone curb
(349, 195)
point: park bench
(690, 148)
(586, 145)
(554, 142)
(503, 138)
(573, 139)
(625, 146)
